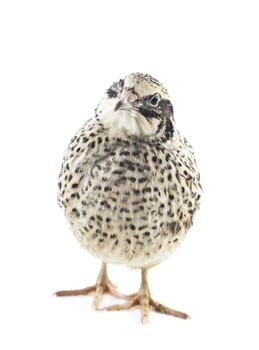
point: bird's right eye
(112, 93)
(121, 83)
(115, 89)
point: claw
(143, 299)
(103, 286)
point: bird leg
(103, 286)
(144, 300)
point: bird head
(137, 105)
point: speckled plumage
(129, 184)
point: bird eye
(121, 83)
(154, 100)
(115, 89)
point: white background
(57, 58)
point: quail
(129, 187)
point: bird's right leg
(103, 286)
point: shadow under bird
(129, 187)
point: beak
(125, 102)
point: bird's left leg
(144, 300)
(103, 286)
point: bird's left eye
(154, 100)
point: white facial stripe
(124, 122)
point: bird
(129, 187)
